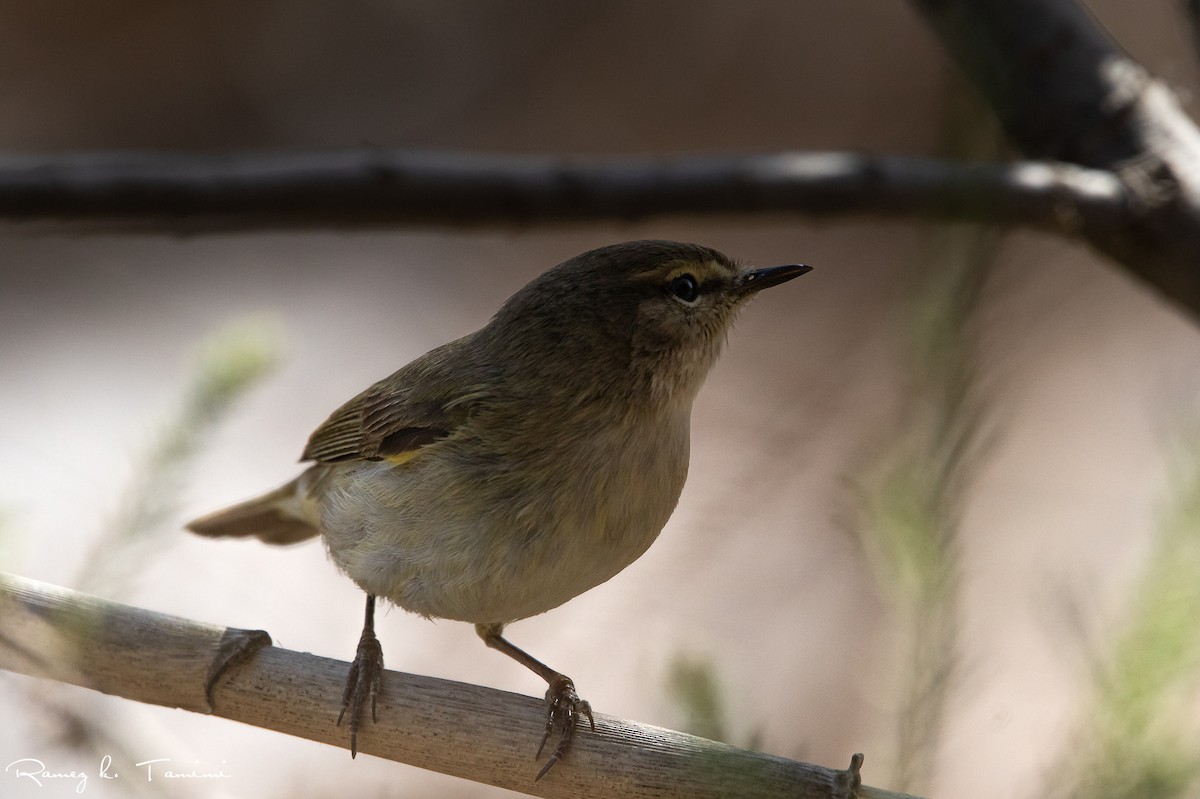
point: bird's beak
(768, 276)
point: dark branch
(1192, 9)
(381, 187)
(1063, 89)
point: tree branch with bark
(376, 187)
(454, 728)
(1121, 166)
(1064, 90)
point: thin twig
(469, 731)
(375, 187)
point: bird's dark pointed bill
(768, 276)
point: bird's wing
(393, 419)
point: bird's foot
(362, 685)
(562, 716)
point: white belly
(486, 543)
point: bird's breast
(489, 534)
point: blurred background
(930, 482)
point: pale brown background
(1090, 376)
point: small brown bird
(501, 474)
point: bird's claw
(362, 685)
(563, 712)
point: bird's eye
(684, 287)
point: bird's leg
(366, 675)
(565, 706)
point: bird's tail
(286, 515)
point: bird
(501, 474)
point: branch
(1064, 90)
(1191, 8)
(366, 187)
(477, 733)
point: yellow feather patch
(401, 458)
